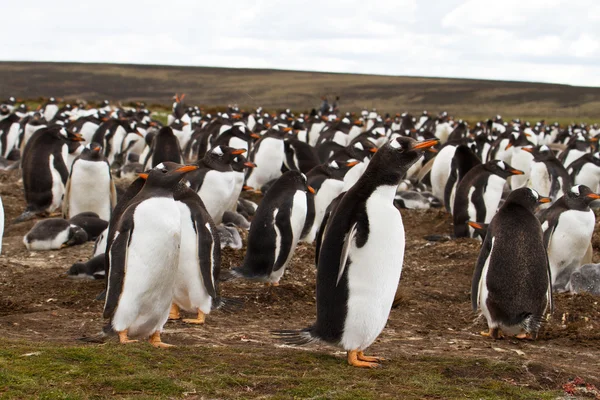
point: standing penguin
(165, 147)
(478, 195)
(511, 283)
(462, 162)
(548, 176)
(568, 226)
(586, 171)
(276, 229)
(361, 257)
(90, 186)
(142, 259)
(45, 172)
(268, 154)
(199, 258)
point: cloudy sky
(526, 40)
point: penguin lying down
(58, 233)
(585, 279)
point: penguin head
(178, 124)
(397, 156)
(222, 155)
(540, 153)
(526, 197)
(240, 163)
(4, 110)
(94, 150)
(166, 174)
(296, 180)
(502, 169)
(580, 197)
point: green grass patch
(45, 370)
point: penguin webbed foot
(527, 336)
(25, 216)
(174, 312)
(494, 333)
(358, 359)
(157, 342)
(124, 338)
(196, 321)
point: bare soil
(38, 303)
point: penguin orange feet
(198, 321)
(356, 361)
(494, 333)
(174, 313)
(156, 342)
(124, 339)
(361, 356)
(526, 336)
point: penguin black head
(526, 197)
(94, 151)
(540, 153)
(240, 163)
(164, 176)
(178, 124)
(580, 197)
(501, 169)
(296, 180)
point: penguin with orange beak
(143, 257)
(512, 284)
(276, 229)
(568, 226)
(361, 256)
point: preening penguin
(90, 187)
(511, 282)
(361, 256)
(568, 226)
(275, 229)
(142, 259)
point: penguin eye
(164, 170)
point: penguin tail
(231, 274)
(531, 323)
(296, 337)
(25, 216)
(101, 337)
(228, 305)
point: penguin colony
(338, 180)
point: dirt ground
(39, 303)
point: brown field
(432, 340)
(274, 89)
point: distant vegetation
(300, 91)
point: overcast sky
(526, 40)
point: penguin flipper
(209, 256)
(283, 230)
(65, 201)
(346, 251)
(113, 194)
(319, 236)
(550, 299)
(116, 262)
(484, 254)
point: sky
(552, 41)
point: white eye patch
(218, 151)
(501, 165)
(359, 146)
(544, 148)
(395, 144)
(576, 189)
(334, 165)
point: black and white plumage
(275, 229)
(361, 256)
(54, 234)
(142, 258)
(568, 226)
(512, 279)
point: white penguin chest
(571, 237)
(90, 189)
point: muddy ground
(39, 303)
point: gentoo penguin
(165, 147)
(50, 109)
(275, 229)
(199, 266)
(239, 166)
(215, 180)
(361, 257)
(229, 237)
(54, 234)
(94, 268)
(299, 156)
(568, 226)
(91, 223)
(142, 259)
(548, 176)
(45, 172)
(586, 171)
(478, 195)
(440, 170)
(90, 187)
(462, 162)
(511, 283)
(268, 155)
(9, 134)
